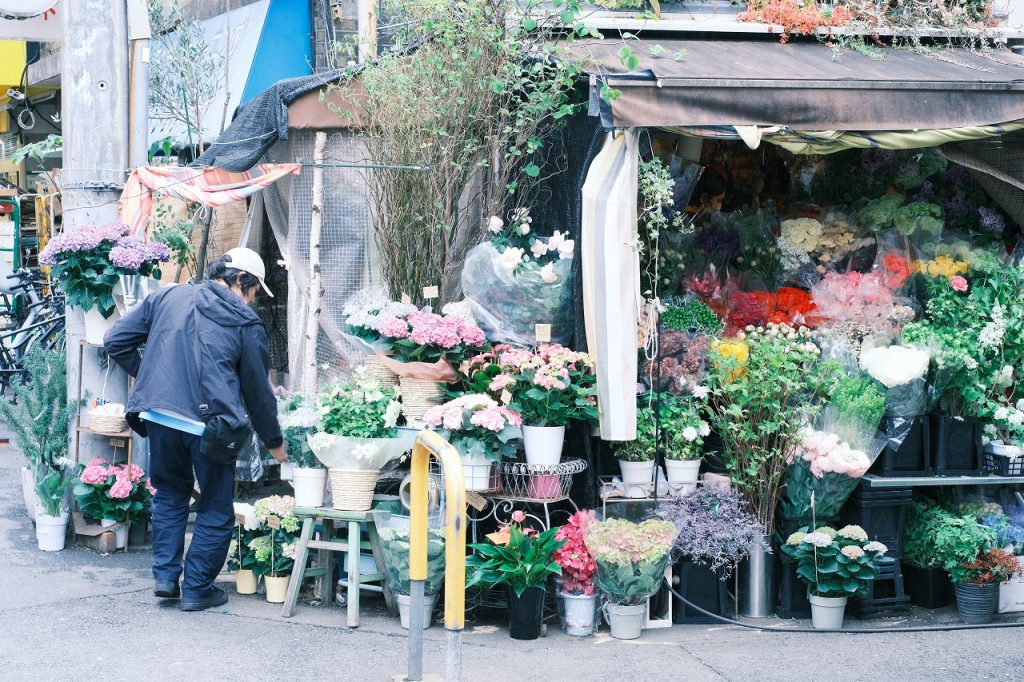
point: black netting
(998, 165)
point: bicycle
(35, 319)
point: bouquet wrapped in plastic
(394, 545)
(631, 557)
(823, 472)
(903, 371)
(518, 280)
(346, 452)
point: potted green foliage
(52, 513)
(924, 579)
(520, 558)
(835, 565)
(298, 422)
(115, 495)
(273, 546)
(394, 544)
(631, 561)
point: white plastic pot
(626, 622)
(28, 491)
(543, 444)
(477, 472)
(120, 532)
(309, 485)
(578, 613)
(404, 604)
(682, 475)
(51, 531)
(96, 325)
(637, 477)
(827, 612)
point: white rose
(538, 248)
(555, 240)
(523, 229)
(566, 248)
(511, 258)
(495, 224)
(547, 273)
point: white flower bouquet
(347, 452)
(902, 370)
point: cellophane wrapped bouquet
(631, 557)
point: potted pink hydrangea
(482, 430)
(113, 494)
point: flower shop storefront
(826, 306)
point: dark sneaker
(166, 589)
(215, 597)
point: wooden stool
(326, 546)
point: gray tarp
(798, 85)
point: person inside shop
(201, 361)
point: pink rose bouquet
(822, 465)
(478, 426)
(113, 491)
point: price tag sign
(240, 519)
(542, 332)
(118, 442)
(506, 397)
(406, 300)
(273, 522)
(430, 292)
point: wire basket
(532, 482)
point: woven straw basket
(107, 419)
(352, 489)
(379, 372)
(418, 396)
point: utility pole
(94, 83)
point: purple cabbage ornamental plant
(835, 563)
(714, 528)
(89, 260)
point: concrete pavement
(80, 615)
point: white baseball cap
(249, 261)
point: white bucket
(543, 444)
(579, 610)
(682, 475)
(627, 622)
(477, 472)
(827, 612)
(120, 532)
(637, 477)
(309, 485)
(405, 602)
(51, 531)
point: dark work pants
(174, 455)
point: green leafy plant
(835, 563)
(691, 316)
(361, 408)
(175, 231)
(521, 559)
(631, 557)
(960, 541)
(38, 151)
(880, 213)
(299, 420)
(924, 519)
(854, 410)
(115, 492)
(52, 482)
(918, 216)
(682, 429)
(39, 414)
(394, 545)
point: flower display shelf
(539, 484)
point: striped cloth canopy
(207, 186)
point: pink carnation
(121, 489)
(958, 283)
(94, 474)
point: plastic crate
(912, 456)
(882, 514)
(956, 445)
(886, 595)
(703, 587)
(1004, 465)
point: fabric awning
(799, 85)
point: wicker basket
(379, 372)
(418, 396)
(352, 489)
(107, 419)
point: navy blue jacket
(235, 354)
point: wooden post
(309, 380)
(366, 23)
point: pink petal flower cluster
(501, 382)
(471, 410)
(94, 474)
(826, 453)
(122, 487)
(578, 566)
(84, 238)
(853, 297)
(552, 376)
(445, 331)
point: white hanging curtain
(611, 280)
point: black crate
(701, 586)
(882, 514)
(956, 445)
(1004, 465)
(886, 595)
(793, 602)
(929, 588)
(910, 457)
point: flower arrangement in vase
(577, 590)
(631, 560)
(518, 279)
(522, 559)
(89, 261)
(482, 430)
(272, 547)
(113, 494)
(834, 565)
(550, 386)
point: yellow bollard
(430, 444)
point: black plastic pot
(929, 588)
(976, 603)
(524, 613)
(956, 444)
(908, 451)
(701, 586)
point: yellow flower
(736, 349)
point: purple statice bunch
(714, 528)
(716, 240)
(956, 207)
(132, 253)
(991, 220)
(874, 160)
(80, 239)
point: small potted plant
(577, 591)
(550, 387)
(89, 262)
(113, 494)
(715, 534)
(482, 430)
(924, 579)
(637, 457)
(966, 549)
(520, 558)
(241, 559)
(273, 546)
(834, 565)
(394, 545)
(631, 560)
(309, 475)
(355, 437)
(52, 513)
(683, 432)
